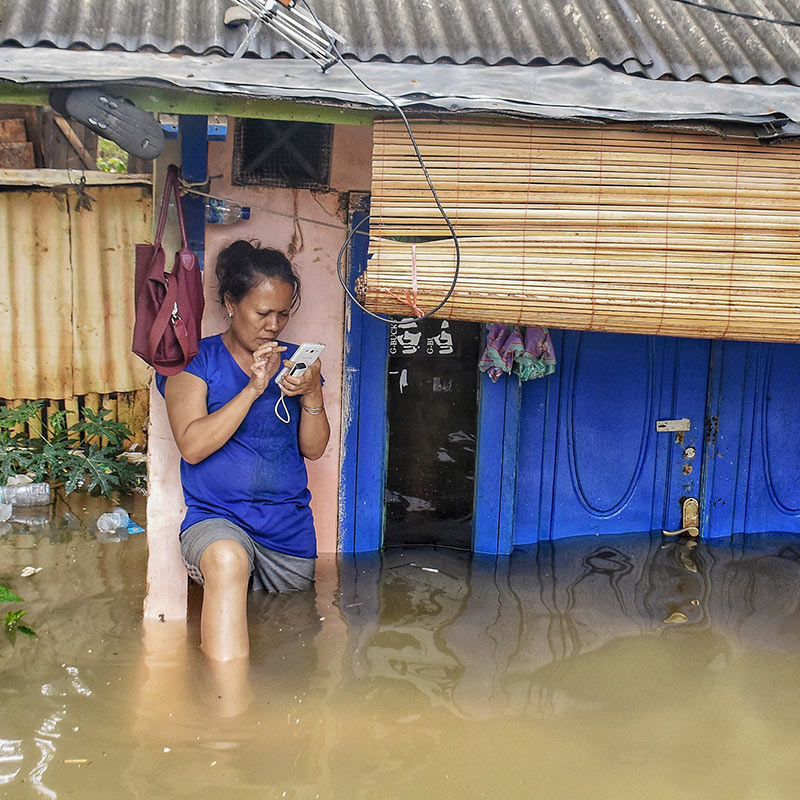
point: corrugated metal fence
(66, 297)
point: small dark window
(280, 153)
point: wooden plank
(73, 415)
(75, 142)
(108, 402)
(63, 177)
(16, 155)
(30, 116)
(12, 130)
(133, 410)
(19, 429)
(178, 101)
(36, 425)
(52, 407)
(92, 402)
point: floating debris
(28, 571)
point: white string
(281, 404)
(187, 189)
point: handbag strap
(160, 323)
(171, 187)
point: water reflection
(538, 632)
(596, 667)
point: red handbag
(169, 305)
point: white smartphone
(302, 358)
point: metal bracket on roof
(254, 28)
(299, 28)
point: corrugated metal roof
(593, 92)
(654, 38)
(66, 291)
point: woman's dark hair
(243, 265)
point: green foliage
(111, 157)
(11, 621)
(7, 596)
(58, 457)
(12, 626)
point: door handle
(690, 519)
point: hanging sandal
(118, 119)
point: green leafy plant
(84, 454)
(110, 156)
(11, 621)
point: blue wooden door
(752, 459)
(590, 459)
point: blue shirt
(258, 478)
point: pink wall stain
(313, 249)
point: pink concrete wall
(313, 249)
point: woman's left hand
(309, 384)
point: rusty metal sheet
(66, 291)
(103, 244)
(35, 296)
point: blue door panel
(752, 463)
(607, 426)
(690, 364)
(536, 453)
(495, 466)
(777, 448)
(589, 458)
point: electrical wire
(742, 14)
(445, 217)
(186, 188)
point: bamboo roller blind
(609, 229)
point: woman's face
(261, 314)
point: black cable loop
(434, 193)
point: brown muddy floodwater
(598, 667)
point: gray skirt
(270, 570)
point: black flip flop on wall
(114, 118)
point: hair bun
(243, 264)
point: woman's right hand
(266, 361)
(197, 433)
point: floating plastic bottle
(19, 480)
(5, 511)
(29, 494)
(32, 516)
(224, 212)
(113, 520)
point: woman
(243, 469)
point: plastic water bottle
(224, 212)
(113, 520)
(5, 511)
(19, 480)
(29, 494)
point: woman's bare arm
(197, 433)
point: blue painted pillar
(194, 169)
(364, 439)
